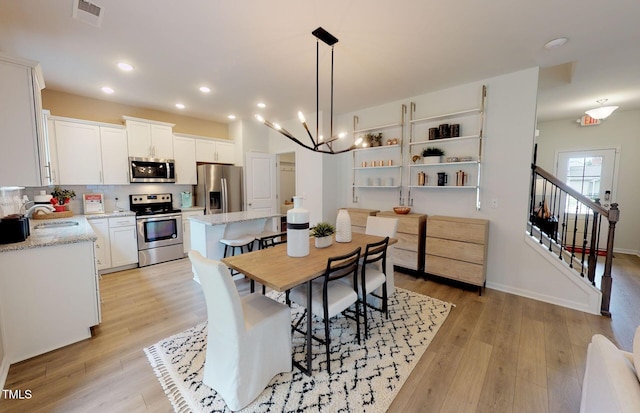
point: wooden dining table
(273, 268)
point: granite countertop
(194, 208)
(113, 214)
(51, 234)
(222, 219)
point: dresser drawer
(406, 259)
(458, 250)
(454, 269)
(122, 221)
(468, 230)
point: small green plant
(373, 139)
(432, 152)
(322, 229)
(62, 194)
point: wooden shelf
(444, 164)
(373, 148)
(360, 168)
(454, 187)
(444, 140)
(391, 125)
(468, 112)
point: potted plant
(373, 139)
(323, 232)
(432, 155)
(62, 196)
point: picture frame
(93, 203)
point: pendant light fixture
(601, 112)
(318, 144)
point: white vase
(343, 226)
(431, 159)
(297, 229)
(324, 242)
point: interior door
(261, 182)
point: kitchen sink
(56, 224)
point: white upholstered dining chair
(249, 338)
(384, 227)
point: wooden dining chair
(373, 277)
(249, 338)
(330, 296)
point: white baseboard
(626, 251)
(4, 371)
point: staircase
(570, 226)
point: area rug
(364, 377)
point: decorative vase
(324, 242)
(297, 229)
(343, 226)
(431, 159)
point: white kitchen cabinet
(115, 157)
(124, 241)
(103, 149)
(50, 298)
(79, 157)
(184, 151)
(186, 228)
(117, 243)
(213, 151)
(23, 157)
(149, 139)
(102, 245)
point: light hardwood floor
(495, 353)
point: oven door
(159, 231)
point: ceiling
(263, 51)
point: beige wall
(79, 107)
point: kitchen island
(208, 230)
(49, 291)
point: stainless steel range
(159, 228)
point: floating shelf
(444, 140)
(448, 115)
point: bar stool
(230, 245)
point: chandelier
(318, 144)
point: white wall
(620, 130)
(507, 154)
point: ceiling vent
(87, 12)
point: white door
(260, 171)
(593, 174)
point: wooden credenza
(456, 248)
(359, 217)
(409, 251)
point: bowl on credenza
(401, 210)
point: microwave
(148, 170)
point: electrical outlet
(494, 203)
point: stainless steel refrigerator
(220, 189)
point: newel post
(614, 217)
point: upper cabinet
(184, 149)
(214, 151)
(23, 159)
(149, 139)
(103, 147)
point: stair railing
(569, 224)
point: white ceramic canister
(297, 229)
(343, 226)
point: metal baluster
(585, 231)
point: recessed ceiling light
(552, 44)
(180, 105)
(204, 89)
(231, 117)
(125, 66)
(107, 90)
(262, 105)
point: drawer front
(463, 251)
(406, 259)
(457, 270)
(453, 269)
(459, 231)
(122, 221)
(407, 242)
